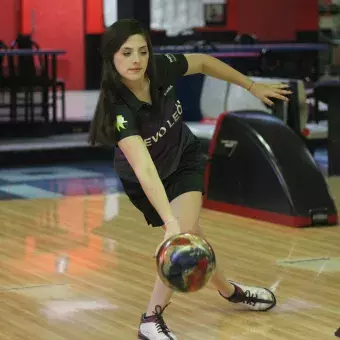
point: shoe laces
(159, 321)
(250, 299)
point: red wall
(9, 20)
(267, 19)
(94, 17)
(59, 25)
(271, 19)
(307, 15)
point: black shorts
(189, 176)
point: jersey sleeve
(171, 66)
(125, 124)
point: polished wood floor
(82, 268)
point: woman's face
(131, 60)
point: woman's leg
(160, 296)
(187, 208)
(152, 324)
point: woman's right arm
(141, 162)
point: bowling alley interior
(78, 260)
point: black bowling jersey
(165, 138)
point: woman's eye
(128, 54)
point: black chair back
(26, 68)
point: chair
(28, 68)
(5, 83)
(3, 46)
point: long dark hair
(102, 129)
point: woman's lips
(135, 69)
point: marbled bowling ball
(185, 262)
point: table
(211, 48)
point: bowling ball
(185, 262)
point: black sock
(237, 296)
(149, 317)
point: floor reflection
(62, 241)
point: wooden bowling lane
(82, 268)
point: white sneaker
(256, 298)
(154, 327)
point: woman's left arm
(211, 66)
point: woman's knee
(196, 228)
(185, 228)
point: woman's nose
(136, 58)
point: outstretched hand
(266, 91)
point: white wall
(110, 12)
(174, 16)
